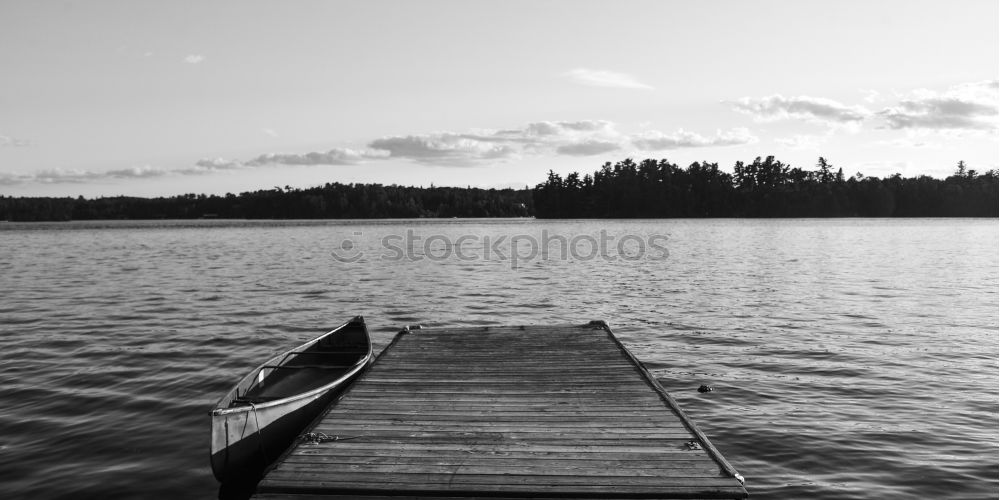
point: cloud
(335, 156)
(970, 107)
(601, 78)
(583, 137)
(194, 59)
(13, 142)
(206, 165)
(813, 109)
(570, 138)
(144, 171)
(553, 132)
(588, 148)
(51, 176)
(10, 179)
(656, 141)
(586, 126)
(270, 132)
(71, 176)
(457, 149)
(447, 148)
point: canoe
(263, 413)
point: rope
(260, 438)
(242, 432)
(321, 437)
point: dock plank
(504, 412)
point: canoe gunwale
(222, 409)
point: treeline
(763, 188)
(330, 201)
(650, 188)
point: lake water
(850, 358)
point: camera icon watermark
(349, 251)
(516, 249)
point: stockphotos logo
(515, 249)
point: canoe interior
(307, 368)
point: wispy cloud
(194, 59)
(971, 107)
(13, 142)
(144, 171)
(75, 176)
(570, 138)
(204, 166)
(577, 138)
(656, 141)
(67, 176)
(335, 156)
(449, 149)
(207, 165)
(445, 148)
(602, 78)
(814, 109)
(588, 147)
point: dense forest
(331, 201)
(763, 188)
(650, 188)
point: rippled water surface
(850, 358)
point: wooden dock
(504, 412)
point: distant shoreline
(650, 189)
(319, 222)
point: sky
(142, 98)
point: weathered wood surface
(505, 412)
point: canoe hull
(248, 434)
(248, 441)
